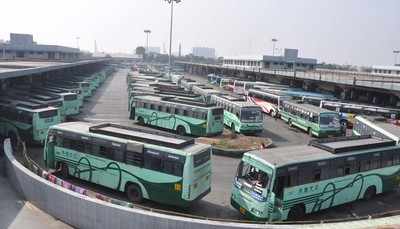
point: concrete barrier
(84, 212)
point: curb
(232, 152)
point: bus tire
(370, 193)
(233, 128)
(181, 130)
(296, 213)
(309, 131)
(64, 170)
(290, 123)
(134, 193)
(141, 121)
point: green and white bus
(83, 86)
(288, 182)
(164, 168)
(181, 115)
(240, 115)
(67, 89)
(314, 120)
(28, 120)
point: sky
(357, 32)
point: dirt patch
(228, 140)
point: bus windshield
(253, 178)
(329, 119)
(250, 115)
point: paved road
(110, 104)
(16, 213)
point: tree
(141, 51)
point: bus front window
(251, 115)
(252, 178)
(331, 120)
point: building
(203, 52)
(156, 50)
(386, 70)
(289, 61)
(22, 46)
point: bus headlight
(204, 125)
(178, 187)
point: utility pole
(147, 32)
(170, 32)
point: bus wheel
(64, 170)
(296, 213)
(181, 130)
(141, 121)
(290, 123)
(370, 193)
(310, 132)
(134, 193)
(233, 128)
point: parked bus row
(28, 110)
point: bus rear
(215, 121)
(42, 120)
(251, 120)
(251, 190)
(197, 174)
(71, 103)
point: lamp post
(147, 32)
(396, 53)
(274, 40)
(170, 31)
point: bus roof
(175, 100)
(308, 107)
(320, 150)
(382, 123)
(124, 134)
(238, 101)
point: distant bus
(67, 89)
(83, 86)
(214, 79)
(164, 168)
(28, 120)
(289, 182)
(181, 115)
(206, 92)
(70, 105)
(268, 101)
(42, 98)
(348, 111)
(239, 115)
(227, 83)
(314, 120)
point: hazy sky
(362, 32)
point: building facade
(386, 70)
(289, 61)
(22, 46)
(203, 52)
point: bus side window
(118, 155)
(105, 152)
(152, 162)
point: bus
(144, 164)
(242, 87)
(70, 102)
(67, 89)
(348, 111)
(28, 120)
(226, 83)
(239, 115)
(214, 79)
(206, 92)
(314, 120)
(83, 86)
(181, 115)
(46, 99)
(289, 182)
(268, 101)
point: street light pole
(170, 32)
(274, 40)
(147, 31)
(396, 53)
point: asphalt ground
(110, 104)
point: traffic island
(235, 145)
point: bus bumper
(247, 214)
